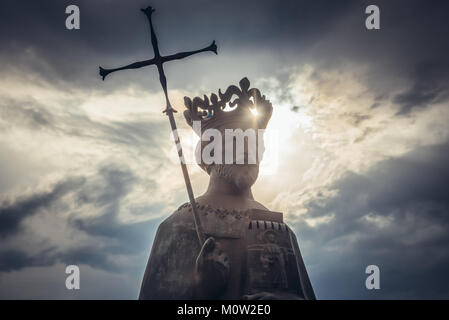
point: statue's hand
(211, 270)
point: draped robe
(263, 252)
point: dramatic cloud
(358, 165)
(104, 242)
(395, 216)
(11, 215)
(430, 86)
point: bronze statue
(223, 244)
(250, 253)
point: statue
(249, 252)
(223, 244)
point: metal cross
(158, 61)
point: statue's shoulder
(181, 217)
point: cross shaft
(158, 61)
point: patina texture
(249, 252)
(263, 255)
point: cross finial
(158, 60)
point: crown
(237, 105)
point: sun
(254, 112)
(278, 136)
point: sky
(358, 162)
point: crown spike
(214, 99)
(244, 84)
(206, 100)
(188, 102)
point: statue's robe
(263, 253)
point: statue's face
(244, 169)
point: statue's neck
(218, 186)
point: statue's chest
(233, 224)
(259, 247)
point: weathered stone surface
(263, 253)
(247, 250)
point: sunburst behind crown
(237, 105)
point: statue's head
(231, 129)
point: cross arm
(212, 47)
(135, 65)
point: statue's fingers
(208, 246)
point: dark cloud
(96, 257)
(326, 34)
(108, 196)
(356, 118)
(27, 113)
(365, 133)
(32, 115)
(395, 216)
(12, 259)
(103, 192)
(13, 213)
(431, 85)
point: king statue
(248, 252)
(244, 250)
